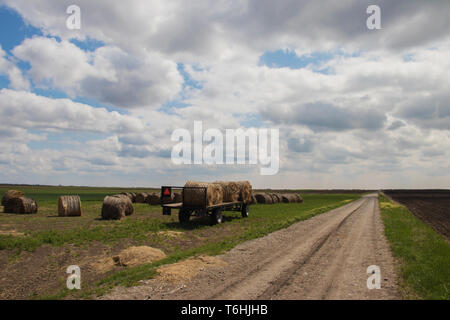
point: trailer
(214, 212)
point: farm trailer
(214, 212)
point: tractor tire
(184, 215)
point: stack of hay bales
(69, 206)
(291, 198)
(271, 198)
(10, 194)
(298, 198)
(20, 205)
(141, 197)
(288, 198)
(153, 199)
(195, 196)
(130, 195)
(263, 198)
(116, 207)
(276, 198)
(236, 191)
(245, 191)
(14, 201)
(231, 190)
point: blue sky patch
(88, 44)
(13, 30)
(289, 59)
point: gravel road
(325, 257)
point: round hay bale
(298, 198)
(289, 198)
(276, 197)
(133, 197)
(153, 199)
(230, 190)
(129, 209)
(128, 194)
(116, 207)
(260, 198)
(196, 197)
(253, 200)
(245, 191)
(269, 198)
(20, 205)
(141, 197)
(11, 194)
(69, 206)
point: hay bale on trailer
(116, 207)
(11, 194)
(141, 197)
(245, 191)
(196, 197)
(153, 199)
(20, 205)
(69, 206)
(230, 190)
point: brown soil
(431, 206)
(325, 257)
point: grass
(423, 255)
(143, 227)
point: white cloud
(20, 109)
(16, 79)
(379, 118)
(108, 74)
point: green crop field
(423, 255)
(46, 244)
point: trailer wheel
(184, 215)
(245, 210)
(216, 216)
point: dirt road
(325, 257)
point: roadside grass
(423, 255)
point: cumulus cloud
(373, 113)
(107, 74)
(8, 68)
(20, 109)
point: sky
(97, 106)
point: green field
(423, 255)
(46, 244)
